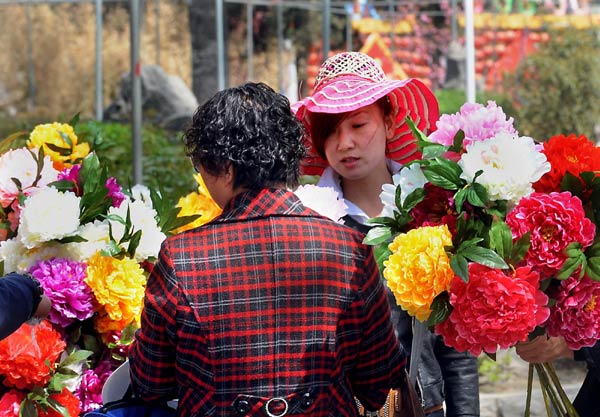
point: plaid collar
(263, 203)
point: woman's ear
(388, 121)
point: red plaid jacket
(269, 308)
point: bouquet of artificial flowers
(490, 237)
(91, 245)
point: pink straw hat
(351, 80)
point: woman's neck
(365, 191)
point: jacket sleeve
(18, 294)
(591, 355)
(152, 355)
(460, 372)
(381, 358)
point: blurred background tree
(557, 89)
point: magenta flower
(89, 392)
(555, 220)
(576, 315)
(114, 192)
(71, 174)
(479, 123)
(63, 283)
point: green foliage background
(557, 89)
(164, 163)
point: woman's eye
(358, 125)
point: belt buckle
(276, 399)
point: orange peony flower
(419, 269)
(25, 354)
(67, 400)
(574, 154)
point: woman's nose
(344, 140)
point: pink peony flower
(63, 281)
(576, 315)
(479, 123)
(114, 191)
(89, 392)
(71, 174)
(555, 220)
(493, 310)
(10, 403)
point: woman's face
(357, 145)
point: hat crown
(349, 64)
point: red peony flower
(25, 353)
(436, 209)
(10, 403)
(574, 154)
(493, 310)
(555, 220)
(576, 315)
(67, 400)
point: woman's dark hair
(252, 129)
(324, 124)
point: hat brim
(409, 97)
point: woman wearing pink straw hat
(358, 139)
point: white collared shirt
(331, 178)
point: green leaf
(62, 185)
(134, 243)
(28, 409)
(417, 133)
(74, 120)
(58, 407)
(457, 142)
(67, 140)
(440, 309)
(75, 357)
(477, 195)
(433, 150)
(382, 253)
(112, 249)
(72, 239)
(484, 256)
(570, 266)
(593, 268)
(571, 183)
(468, 243)
(377, 235)
(382, 221)
(444, 173)
(459, 199)
(414, 198)
(520, 248)
(59, 149)
(501, 239)
(460, 266)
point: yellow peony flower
(198, 203)
(118, 285)
(419, 269)
(48, 134)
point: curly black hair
(252, 129)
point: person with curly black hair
(269, 309)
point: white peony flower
(142, 218)
(17, 258)
(408, 179)
(510, 165)
(323, 200)
(48, 214)
(142, 193)
(96, 236)
(20, 164)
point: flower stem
(549, 389)
(529, 388)
(571, 412)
